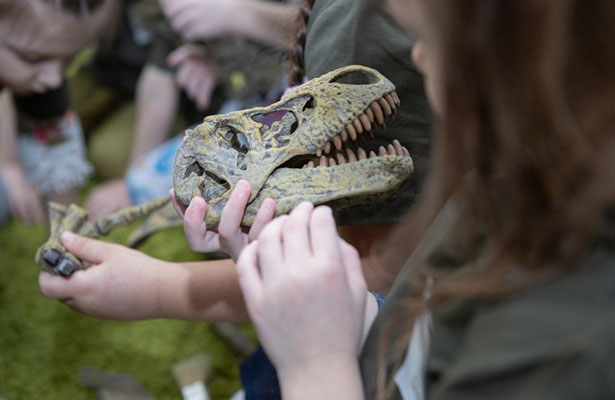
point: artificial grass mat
(43, 343)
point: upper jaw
(333, 134)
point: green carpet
(43, 343)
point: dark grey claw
(56, 263)
(51, 257)
(65, 267)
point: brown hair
(296, 61)
(77, 22)
(525, 145)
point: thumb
(86, 249)
(180, 54)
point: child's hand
(24, 201)
(305, 292)
(120, 284)
(193, 74)
(198, 19)
(229, 237)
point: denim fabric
(258, 376)
(152, 176)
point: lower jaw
(341, 185)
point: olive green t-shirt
(555, 340)
(345, 32)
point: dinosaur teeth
(372, 154)
(377, 113)
(337, 141)
(358, 129)
(365, 122)
(351, 156)
(332, 162)
(358, 126)
(351, 132)
(385, 106)
(391, 101)
(370, 114)
(310, 164)
(405, 151)
(340, 159)
(396, 98)
(398, 148)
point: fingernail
(67, 237)
(192, 206)
(243, 186)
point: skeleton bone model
(310, 145)
(313, 144)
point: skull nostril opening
(195, 168)
(309, 104)
(355, 78)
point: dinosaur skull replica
(310, 146)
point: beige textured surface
(307, 146)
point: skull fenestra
(311, 145)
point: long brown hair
(77, 22)
(526, 145)
(296, 61)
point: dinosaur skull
(310, 146)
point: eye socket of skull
(357, 77)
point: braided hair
(79, 7)
(296, 60)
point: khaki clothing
(345, 32)
(552, 341)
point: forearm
(8, 129)
(201, 291)
(337, 378)
(264, 21)
(157, 102)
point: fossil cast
(315, 144)
(311, 145)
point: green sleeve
(502, 369)
(556, 341)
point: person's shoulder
(555, 338)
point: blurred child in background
(42, 154)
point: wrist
(326, 377)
